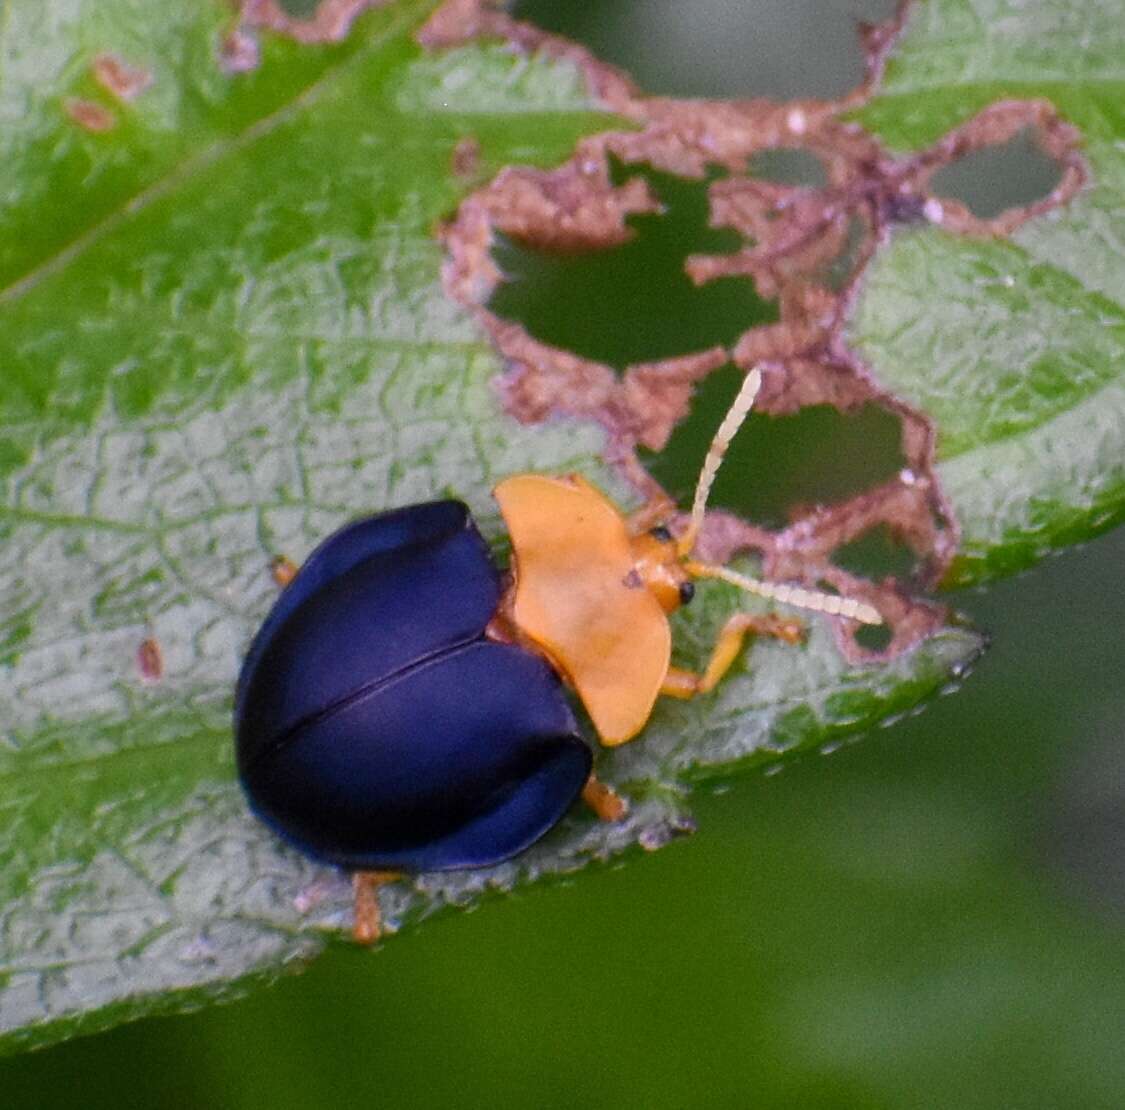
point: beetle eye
(661, 533)
(687, 592)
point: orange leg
(283, 570)
(368, 926)
(686, 684)
(608, 805)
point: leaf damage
(89, 115)
(795, 239)
(120, 79)
(465, 159)
(150, 660)
(330, 21)
(995, 125)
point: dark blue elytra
(377, 727)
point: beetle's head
(666, 564)
(660, 566)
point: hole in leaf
(299, 9)
(874, 637)
(775, 48)
(789, 167)
(1007, 175)
(633, 303)
(778, 464)
(875, 555)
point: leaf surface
(224, 334)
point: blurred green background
(931, 917)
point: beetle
(402, 707)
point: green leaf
(1016, 348)
(225, 334)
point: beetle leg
(604, 800)
(368, 925)
(282, 570)
(686, 684)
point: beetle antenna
(736, 414)
(813, 600)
